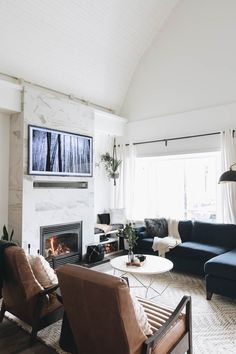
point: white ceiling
(88, 48)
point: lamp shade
(228, 176)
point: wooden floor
(14, 340)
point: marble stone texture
(38, 206)
(15, 176)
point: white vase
(130, 255)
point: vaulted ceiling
(88, 48)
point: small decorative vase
(130, 255)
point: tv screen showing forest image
(53, 152)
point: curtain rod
(176, 138)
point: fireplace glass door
(62, 243)
(57, 245)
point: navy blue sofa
(206, 249)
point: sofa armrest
(141, 233)
(140, 229)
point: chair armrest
(185, 302)
(40, 300)
(126, 279)
(48, 290)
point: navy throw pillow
(104, 218)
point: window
(181, 187)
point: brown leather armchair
(101, 315)
(23, 296)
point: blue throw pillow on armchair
(156, 227)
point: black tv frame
(45, 172)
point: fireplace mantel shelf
(65, 185)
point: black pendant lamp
(228, 176)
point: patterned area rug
(214, 322)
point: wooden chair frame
(185, 343)
(39, 323)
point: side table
(66, 340)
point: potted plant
(129, 234)
(6, 236)
(112, 164)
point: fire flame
(52, 244)
(55, 247)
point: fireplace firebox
(61, 244)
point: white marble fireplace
(31, 207)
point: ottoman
(221, 275)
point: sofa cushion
(156, 227)
(145, 245)
(185, 228)
(223, 265)
(196, 250)
(223, 235)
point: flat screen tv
(58, 153)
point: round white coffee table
(152, 266)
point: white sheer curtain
(178, 187)
(228, 196)
(124, 194)
(158, 194)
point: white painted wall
(107, 126)
(108, 123)
(102, 186)
(188, 123)
(185, 83)
(10, 95)
(4, 163)
(190, 65)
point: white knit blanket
(163, 245)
